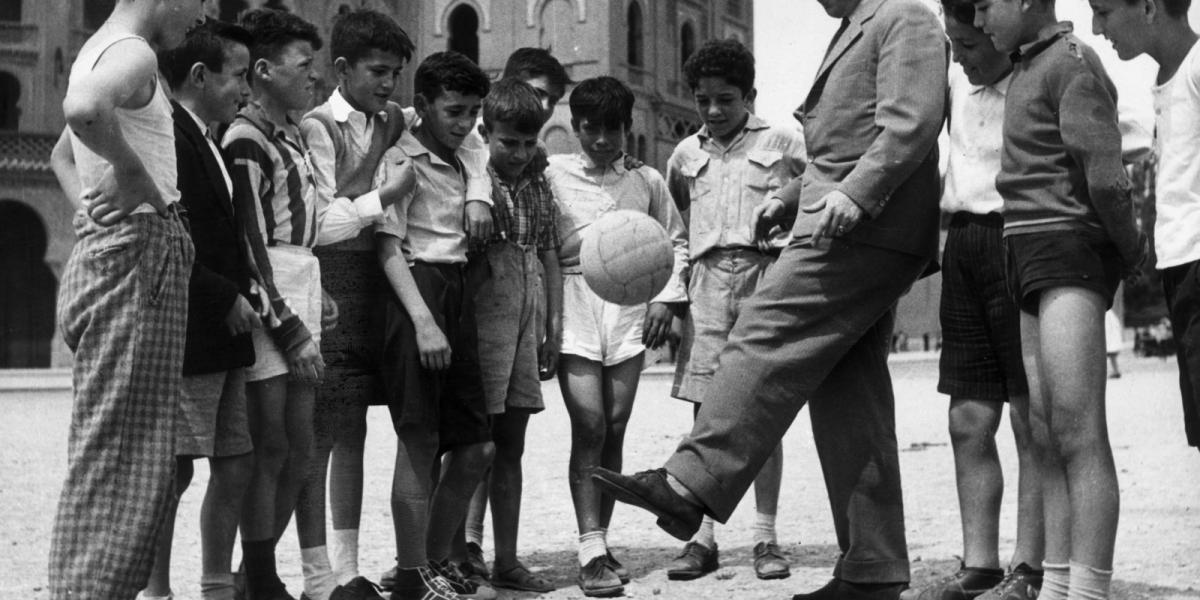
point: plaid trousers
(122, 308)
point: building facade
(641, 42)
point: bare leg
(298, 420)
(462, 470)
(1031, 529)
(412, 488)
(265, 411)
(980, 482)
(1056, 508)
(768, 482)
(582, 392)
(619, 384)
(228, 478)
(159, 583)
(1072, 352)
(506, 485)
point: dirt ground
(1158, 549)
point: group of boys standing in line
(376, 255)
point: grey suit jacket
(871, 123)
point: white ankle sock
(318, 575)
(216, 586)
(1055, 582)
(343, 554)
(706, 536)
(764, 528)
(591, 545)
(1089, 583)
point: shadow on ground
(647, 566)
(924, 572)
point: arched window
(687, 42)
(27, 289)
(634, 31)
(232, 9)
(641, 148)
(10, 11)
(464, 32)
(10, 95)
(557, 33)
(95, 12)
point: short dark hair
(516, 103)
(962, 11)
(728, 59)
(603, 100)
(449, 71)
(274, 29)
(358, 32)
(529, 63)
(204, 44)
(1174, 8)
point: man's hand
(631, 162)
(839, 215)
(658, 324)
(401, 180)
(119, 193)
(329, 312)
(479, 220)
(242, 318)
(434, 348)
(767, 216)
(305, 363)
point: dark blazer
(871, 123)
(221, 271)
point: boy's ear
(261, 69)
(483, 132)
(1151, 9)
(341, 68)
(421, 104)
(751, 95)
(197, 74)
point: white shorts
(298, 279)
(597, 330)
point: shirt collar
(617, 164)
(753, 123)
(254, 113)
(195, 117)
(1045, 37)
(413, 147)
(342, 109)
(1000, 86)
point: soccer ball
(626, 257)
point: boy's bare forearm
(554, 290)
(400, 278)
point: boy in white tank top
(122, 304)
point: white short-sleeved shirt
(976, 139)
(1177, 145)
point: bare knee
(231, 473)
(973, 423)
(589, 431)
(615, 432)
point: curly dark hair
(962, 11)
(357, 32)
(529, 63)
(603, 100)
(449, 71)
(727, 59)
(274, 29)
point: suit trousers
(122, 308)
(817, 331)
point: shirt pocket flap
(764, 158)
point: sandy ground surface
(1158, 551)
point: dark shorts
(1182, 286)
(355, 281)
(981, 325)
(1068, 258)
(452, 400)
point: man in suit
(207, 75)
(819, 327)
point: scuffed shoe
(431, 587)
(359, 588)
(465, 588)
(769, 562)
(696, 560)
(475, 565)
(965, 584)
(1021, 583)
(617, 567)
(597, 579)
(838, 589)
(650, 490)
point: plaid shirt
(525, 213)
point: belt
(772, 252)
(963, 218)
